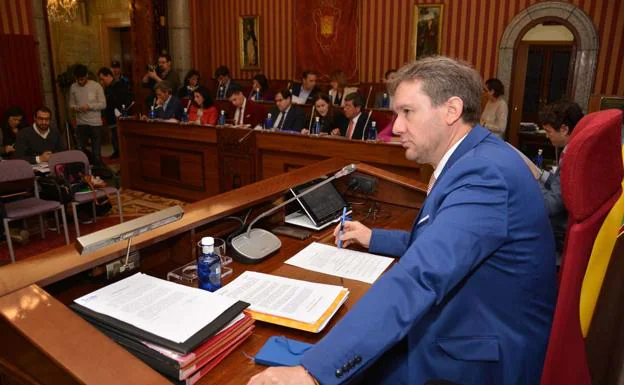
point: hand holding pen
(349, 233)
(342, 222)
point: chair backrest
(16, 176)
(65, 157)
(591, 179)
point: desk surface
(66, 349)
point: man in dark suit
(286, 116)
(307, 89)
(472, 295)
(117, 100)
(222, 74)
(354, 126)
(167, 105)
(247, 112)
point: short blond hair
(442, 78)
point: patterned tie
(350, 129)
(432, 181)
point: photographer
(156, 74)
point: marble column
(45, 67)
(179, 12)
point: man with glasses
(285, 115)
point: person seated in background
(11, 125)
(354, 126)
(36, 143)
(558, 119)
(260, 89)
(330, 118)
(307, 89)
(163, 71)
(383, 98)
(202, 110)
(167, 106)
(191, 83)
(222, 74)
(387, 135)
(247, 112)
(287, 116)
(494, 115)
(339, 90)
(117, 99)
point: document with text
(344, 263)
(282, 297)
(166, 309)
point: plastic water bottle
(539, 159)
(257, 96)
(124, 112)
(268, 122)
(152, 113)
(208, 266)
(316, 128)
(386, 101)
(184, 117)
(221, 93)
(372, 131)
(222, 118)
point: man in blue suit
(167, 105)
(472, 296)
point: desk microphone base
(256, 247)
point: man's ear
(454, 110)
(564, 129)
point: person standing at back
(87, 100)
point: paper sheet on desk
(344, 263)
(283, 297)
(174, 312)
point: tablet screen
(323, 204)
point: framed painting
(249, 42)
(427, 30)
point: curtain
(326, 37)
(20, 82)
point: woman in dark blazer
(331, 118)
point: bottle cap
(374, 123)
(185, 109)
(269, 115)
(222, 112)
(385, 94)
(317, 118)
(152, 107)
(207, 241)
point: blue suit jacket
(473, 293)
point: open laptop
(319, 209)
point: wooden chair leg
(42, 227)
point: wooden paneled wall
(472, 30)
(16, 17)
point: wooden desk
(190, 162)
(43, 342)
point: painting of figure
(249, 42)
(427, 30)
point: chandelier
(62, 11)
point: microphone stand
(255, 245)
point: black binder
(136, 334)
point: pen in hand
(342, 221)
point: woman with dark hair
(191, 83)
(260, 89)
(331, 119)
(202, 110)
(11, 124)
(339, 89)
(494, 115)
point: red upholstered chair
(591, 179)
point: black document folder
(136, 334)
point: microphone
(255, 245)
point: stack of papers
(288, 302)
(180, 331)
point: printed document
(282, 297)
(344, 263)
(166, 309)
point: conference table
(44, 342)
(191, 162)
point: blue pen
(342, 221)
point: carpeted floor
(134, 204)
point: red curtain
(326, 35)
(20, 82)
